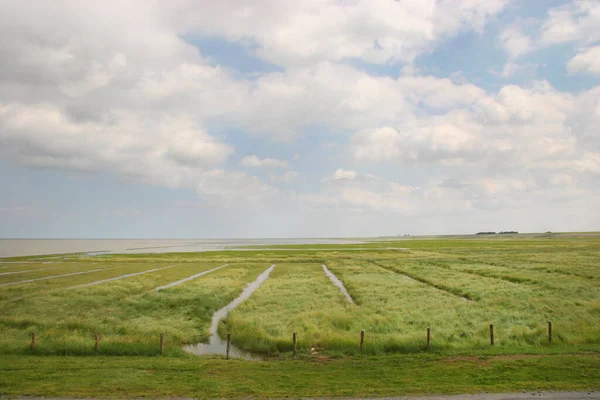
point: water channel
(334, 279)
(217, 345)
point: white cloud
(286, 177)
(341, 97)
(584, 119)
(343, 175)
(437, 93)
(110, 70)
(448, 198)
(383, 144)
(169, 152)
(574, 22)
(586, 62)
(281, 105)
(379, 31)
(355, 191)
(512, 68)
(371, 200)
(426, 142)
(230, 189)
(561, 179)
(253, 161)
(536, 128)
(123, 92)
(515, 42)
(495, 186)
(590, 162)
(359, 192)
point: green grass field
(391, 375)
(455, 287)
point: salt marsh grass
(50, 270)
(128, 314)
(296, 298)
(456, 287)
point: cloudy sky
(273, 118)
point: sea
(34, 247)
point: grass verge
(129, 377)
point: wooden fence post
(492, 334)
(428, 337)
(162, 344)
(294, 341)
(228, 344)
(32, 340)
(362, 340)
(97, 342)
(549, 331)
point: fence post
(97, 342)
(294, 340)
(32, 340)
(228, 344)
(428, 337)
(492, 334)
(549, 331)
(162, 344)
(362, 340)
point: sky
(282, 118)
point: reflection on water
(216, 345)
(338, 283)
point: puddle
(337, 283)
(189, 278)
(216, 345)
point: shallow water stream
(337, 283)
(215, 344)
(189, 278)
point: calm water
(216, 345)
(33, 247)
(334, 279)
